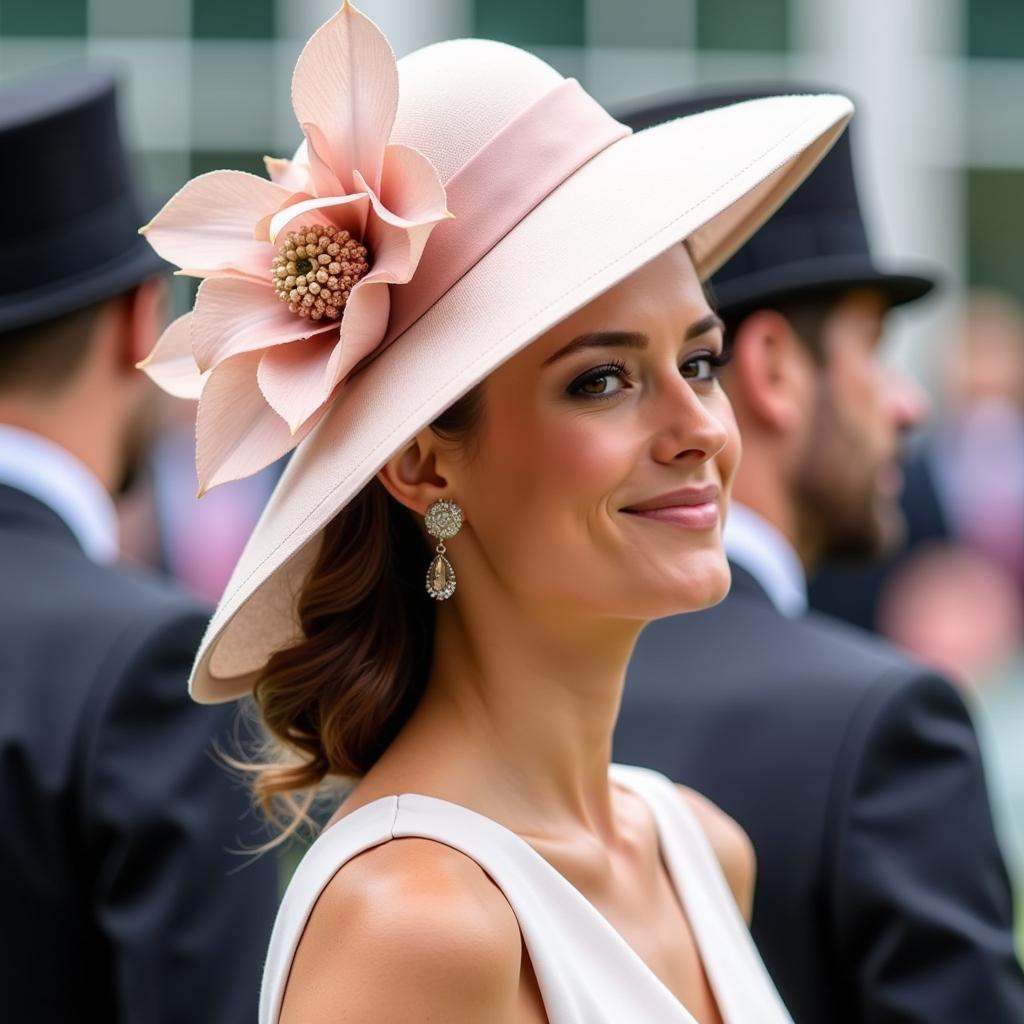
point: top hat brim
(822, 275)
(624, 207)
(50, 300)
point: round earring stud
(443, 519)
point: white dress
(587, 973)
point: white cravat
(64, 484)
(757, 546)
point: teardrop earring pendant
(443, 520)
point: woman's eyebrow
(601, 339)
(709, 323)
(630, 339)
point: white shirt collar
(63, 483)
(757, 546)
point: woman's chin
(700, 583)
(703, 582)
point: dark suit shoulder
(859, 661)
(54, 585)
(31, 562)
(70, 630)
(745, 645)
(801, 695)
(803, 698)
(122, 815)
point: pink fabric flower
(263, 374)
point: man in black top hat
(881, 895)
(122, 900)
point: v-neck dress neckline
(586, 970)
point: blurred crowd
(953, 595)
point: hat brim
(814, 277)
(130, 267)
(713, 178)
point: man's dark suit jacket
(118, 901)
(881, 895)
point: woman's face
(602, 468)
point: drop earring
(444, 520)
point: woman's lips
(693, 507)
(696, 517)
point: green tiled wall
(174, 49)
(204, 160)
(653, 23)
(47, 18)
(743, 24)
(531, 22)
(995, 28)
(233, 19)
(143, 19)
(995, 229)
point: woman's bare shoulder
(408, 930)
(732, 847)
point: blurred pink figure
(956, 609)
(195, 540)
(978, 455)
(202, 537)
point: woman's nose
(687, 428)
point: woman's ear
(412, 478)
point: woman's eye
(698, 369)
(605, 385)
(601, 382)
(703, 368)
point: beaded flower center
(316, 268)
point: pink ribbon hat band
(497, 187)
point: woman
(532, 384)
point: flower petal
(292, 174)
(346, 83)
(293, 378)
(348, 212)
(171, 364)
(363, 326)
(322, 175)
(237, 433)
(207, 226)
(236, 315)
(410, 186)
(261, 230)
(396, 242)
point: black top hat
(815, 242)
(69, 232)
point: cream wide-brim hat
(712, 178)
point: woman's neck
(517, 718)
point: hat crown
(70, 239)
(455, 96)
(70, 162)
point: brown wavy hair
(330, 704)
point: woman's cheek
(588, 457)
